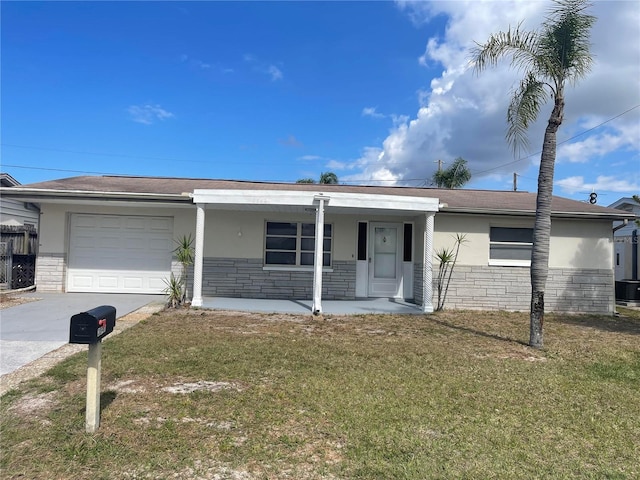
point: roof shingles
(455, 199)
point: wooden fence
(18, 247)
(22, 238)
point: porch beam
(196, 301)
(427, 264)
(318, 257)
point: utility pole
(439, 165)
(515, 182)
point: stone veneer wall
(245, 278)
(509, 288)
(50, 272)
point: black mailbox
(93, 325)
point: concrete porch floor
(334, 307)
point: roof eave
(37, 195)
(532, 213)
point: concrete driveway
(31, 330)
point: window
(510, 246)
(293, 244)
(362, 240)
(407, 253)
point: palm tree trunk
(542, 226)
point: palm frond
(565, 40)
(522, 46)
(523, 110)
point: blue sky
(376, 92)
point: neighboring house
(258, 240)
(16, 213)
(18, 238)
(626, 258)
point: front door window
(385, 252)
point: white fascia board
(38, 196)
(307, 199)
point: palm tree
(328, 177)
(325, 177)
(453, 177)
(549, 58)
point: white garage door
(119, 253)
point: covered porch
(361, 306)
(377, 267)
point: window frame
(505, 262)
(299, 251)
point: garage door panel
(82, 281)
(157, 283)
(105, 281)
(113, 254)
(133, 282)
(111, 222)
(135, 223)
(161, 224)
(111, 242)
(84, 221)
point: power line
(120, 155)
(559, 143)
(60, 170)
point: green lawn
(450, 395)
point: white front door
(385, 241)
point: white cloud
(463, 114)
(274, 72)
(290, 141)
(372, 112)
(603, 183)
(194, 62)
(329, 163)
(148, 114)
(592, 147)
(336, 165)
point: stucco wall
(241, 234)
(574, 243)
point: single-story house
(310, 241)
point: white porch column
(427, 264)
(316, 309)
(196, 301)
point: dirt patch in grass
(34, 407)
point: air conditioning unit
(628, 290)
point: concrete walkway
(334, 307)
(31, 330)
